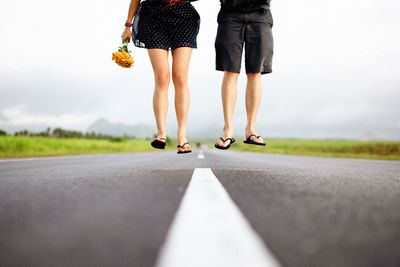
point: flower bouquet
(123, 56)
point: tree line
(62, 133)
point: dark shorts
(158, 26)
(251, 30)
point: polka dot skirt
(158, 26)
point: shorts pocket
(268, 17)
(222, 16)
(219, 16)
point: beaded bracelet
(128, 24)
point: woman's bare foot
(185, 147)
(182, 141)
(161, 136)
(161, 139)
(159, 142)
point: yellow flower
(123, 57)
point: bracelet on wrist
(128, 24)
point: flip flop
(184, 151)
(158, 144)
(232, 140)
(251, 142)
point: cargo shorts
(251, 30)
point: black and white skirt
(157, 25)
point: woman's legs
(159, 61)
(229, 94)
(180, 68)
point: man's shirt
(245, 5)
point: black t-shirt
(245, 5)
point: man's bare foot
(226, 134)
(254, 137)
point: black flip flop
(181, 146)
(158, 144)
(251, 142)
(232, 140)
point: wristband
(128, 24)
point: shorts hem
(266, 72)
(227, 69)
(231, 70)
(262, 72)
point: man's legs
(253, 98)
(229, 95)
(258, 58)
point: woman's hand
(133, 6)
(126, 34)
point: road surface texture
(116, 209)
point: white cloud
(19, 116)
(338, 115)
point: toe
(258, 140)
(220, 143)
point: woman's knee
(180, 79)
(162, 80)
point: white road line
(210, 231)
(201, 155)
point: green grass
(22, 146)
(331, 148)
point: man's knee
(253, 75)
(231, 75)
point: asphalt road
(115, 209)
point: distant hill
(119, 129)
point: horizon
(367, 136)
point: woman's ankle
(161, 134)
(228, 131)
(181, 134)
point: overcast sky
(336, 69)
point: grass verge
(331, 148)
(22, 146)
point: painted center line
(210, 230)
(201, 155)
